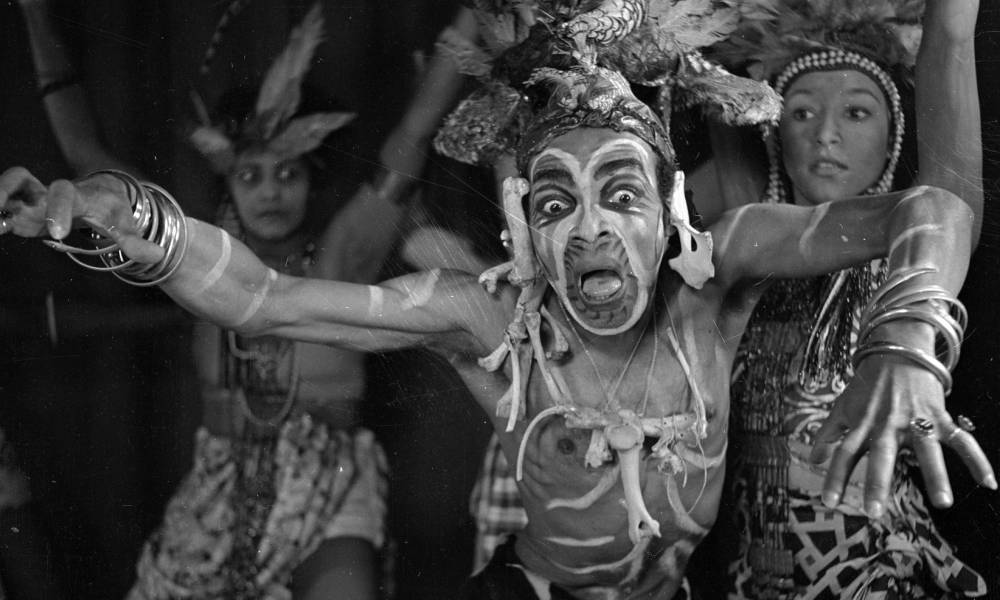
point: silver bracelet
(921, 358)
(159, 219)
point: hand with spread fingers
(909, 341)
(99, 202)
(894, 403)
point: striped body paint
(597, 226)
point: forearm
(928, 249)
(931, 227)
(947, 106)
(364, 232)
(923, 226)
(52, 62)
(221, 281)
(65, 100)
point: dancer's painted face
(270, 193)
(834, 135)
(597, 225)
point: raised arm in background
(949, 130)
(66, 103)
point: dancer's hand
(892, 402)
(30, 209)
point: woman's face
(270, 193)
(834, 135)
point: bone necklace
(623, 431)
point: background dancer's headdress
(273, 124)
(781, 40)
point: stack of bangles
(158, 219)
(930, 304)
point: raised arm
(65, 100)
(949, 139)
(361, 235)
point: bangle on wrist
(158, 219)
(919, 357)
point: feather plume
(281, 91)
(467, 56)
(305, 134)
(772, 33)
(214, 146)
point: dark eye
(622, 198)
(288, 173)
(246, 175)
(802, 114)
(858, 113)
(554, 207)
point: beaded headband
(835, 60)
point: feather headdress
(773, 33)
(272, 124)
(650, 43)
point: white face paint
(597, 225)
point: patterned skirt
(841, 553)
(251, 511)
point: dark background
(102, 417)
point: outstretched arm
(361, 235)
(65, 100)
(947, 104)
(220, 280)
(925, 233)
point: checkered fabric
(495, 504)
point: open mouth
(601, 285)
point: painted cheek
(641, 238)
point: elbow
(931, 204)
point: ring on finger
(962, 423)
(965, 423)
(921, 427)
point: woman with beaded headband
(287, 494)
(600, 357)
(840, 68)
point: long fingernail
(831, 499)
(942, 499)
(874, 509)
(990, 482)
